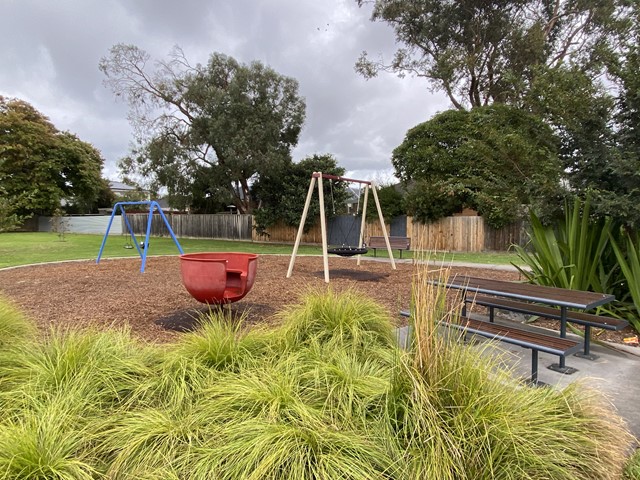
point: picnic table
(560, 298)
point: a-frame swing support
(153, 205)
(317, 177)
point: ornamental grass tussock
(328, 394)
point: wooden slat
(525, 338)
(534, 293)
(395, 242)
(580, 318)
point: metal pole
(534, 366)
(166, 222)
(104, 240)
(563, 332)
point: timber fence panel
(465, 234)
(456, 234)
(374, 229)
(221, 226)
(280, 233)
(502, 239)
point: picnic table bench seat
(512, 334)
(587, 320)
(396, 243)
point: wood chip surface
(114, 294)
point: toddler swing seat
(217, 278)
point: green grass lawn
(28, 248)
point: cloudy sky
(50, 49)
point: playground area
(114, 293)
(156, 306)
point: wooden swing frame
(369, 185)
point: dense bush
(326, 395)
(585, 253)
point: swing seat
(346, 251)
(201, 273)
(204, 278)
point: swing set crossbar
(341, 179)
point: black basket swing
(346, 250)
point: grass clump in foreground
(632, 470)
(326, 395)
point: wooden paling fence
(465, 234)
(223, 226)
(456, 234)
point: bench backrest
(395, 242)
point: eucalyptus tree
(551, 58)
(481, 52)
(223, 124)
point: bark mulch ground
(156, 306)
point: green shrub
(348, 318)
(46, 442)
(221, 343)
(573, 254)
(629, 261)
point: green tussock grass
(327, 395)
(632, 469)
(14, 326)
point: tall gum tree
(481, 52)
(222, 124)
(550, 58)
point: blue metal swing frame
(141, 251)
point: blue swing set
(142, 247)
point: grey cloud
(50, 52)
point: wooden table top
(561, 297)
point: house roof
(123, 187)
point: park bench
(514, 335)
(396, 243)
(587, 320)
